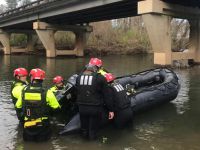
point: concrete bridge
(45, 17)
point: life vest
(121, 100)
(89, 92)
(55, 89)
(34, 103)
(15, 84)
(102, 72)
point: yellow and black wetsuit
(36, 103)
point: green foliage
(18, 40)
(64, 39)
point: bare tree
(24, 2)
(11, 4)
(180, 34)
(2, 8)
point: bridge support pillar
(5, 40)
(81, 40)
(157, 18)
(47, 38)
(46, 32)
(51, 65)
(159, 31)
(195, 39)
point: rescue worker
(58, 88)
(36, 103)
(99, 64)
(58, 84)
(122, 108)
(90, 99)
(65, 99)
(20, 75)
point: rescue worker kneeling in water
(58, 87)
(58, 84)
(122, 105)
(36, 103)
(91, 87)
(17, 86)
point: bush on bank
(121, 36)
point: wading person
(122, 109)
(36, 103)
(90, 100)
(20, 75)
(99, 64)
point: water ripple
(8, 117)
(181, 102)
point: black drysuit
(122, 109)
(91, 88)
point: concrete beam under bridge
(46, 33)
(157, 16)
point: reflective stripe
(32, 122)
(117, 88)
(33, 96)
(28, 112)
(120, 87)
(81, 82)
(85, 80)
(43, 118)
(90, 80)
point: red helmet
(96, 62)
(58, 79)
(109, 77)
(37, 74)
(20, 72)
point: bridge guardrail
(24, 7)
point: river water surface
(174, 126)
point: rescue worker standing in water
(90, 99)
(36, 103)
(122, 105)
(17, 86)
(99, 64)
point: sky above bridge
(2, 2)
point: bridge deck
(69, 12)
(74, 11)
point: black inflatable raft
(146, 89)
